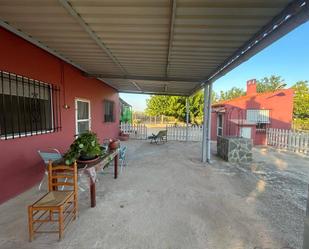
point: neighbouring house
(44, 103)
(250, 115)
(125, 112)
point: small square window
(109, 111)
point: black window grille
(261, 127)
(109, 111)
(28, 107)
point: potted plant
(123, 136)
(86, 147)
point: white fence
(179, 133)
(137, 131)
(289, 140)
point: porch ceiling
(153, 46)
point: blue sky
(287, 57)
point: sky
(288, 57)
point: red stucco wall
(280, 104)
(213, 133)
(20, 165)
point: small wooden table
(91, 171)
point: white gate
(179, 132)
(289, 140)
(136, 131)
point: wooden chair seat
(54, 198)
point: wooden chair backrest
(62, 175)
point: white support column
(205, 124)
(306, 226)
(209, 122)
(187, 118)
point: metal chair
(161, 137)
(46, 157)
(62, 204)
(122, 156)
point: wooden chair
(122, 156)
(57, 208)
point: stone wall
(235, 149)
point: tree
(301, 100)
(157, 105)
(175, 106)
(196, 107)
(269, 84)
(234, 92)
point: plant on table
(86, 146)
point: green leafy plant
(86, 145)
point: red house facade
(44, 103)
(250, 115)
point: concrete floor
(166, 198)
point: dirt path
(167, 199)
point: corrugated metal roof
(153, 46)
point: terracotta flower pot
(114, 144)
(124, 137)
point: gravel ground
(166, 198)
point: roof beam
(155, 93)
(138, 77)
(171, 35)
(91, 33)
(293, 15)
(136, 85)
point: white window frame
(76, 114)
(220, 114)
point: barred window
(28, 107)
(109, 111)
(258, 116)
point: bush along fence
(136, 131)
(179, 133)
(289, 140)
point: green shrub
(301, 124)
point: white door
(245, 132)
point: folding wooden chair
(161, 137)
(56, 206)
